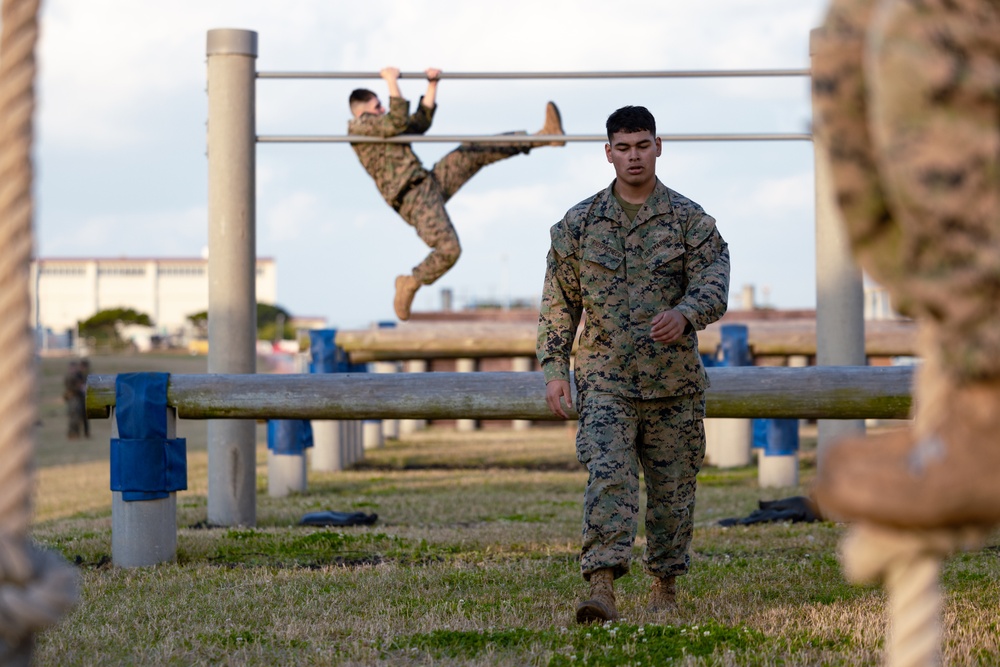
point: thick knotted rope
(36, 588)
(909, 562)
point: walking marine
(645, 268)
(75, 397)
(419, 195)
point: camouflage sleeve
(420, 120)
(707, 267)
(561, 307)
(387, 125)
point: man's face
(373, 106)
(634, 156)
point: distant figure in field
(74, 395)
(650, 268)
(83, 371)
(417, 194)
(907, 97)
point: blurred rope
(36, 587)
(910, 564)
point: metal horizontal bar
(651, 74)
(512, 139)
(816, 392)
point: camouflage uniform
(74, 395)
(416, 194)
(641, 403)
(907, 100)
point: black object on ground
(795, 509)
(332, 518)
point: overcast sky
(121, 159)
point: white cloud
(290, 217)
(149, 233)
(780, 196)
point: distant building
(67, 290)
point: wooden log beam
(817, 392)
(883, 338)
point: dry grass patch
(473, 561)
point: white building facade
(66, 291)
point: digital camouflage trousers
(423, 205)
(906, 98)
(618, 437)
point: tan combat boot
(940, 473)
(406, 289)
(663, 595)
(601, 605)
(553, 124)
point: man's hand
(554, 391)
(430, 97)
(391, 77)
(668, 326)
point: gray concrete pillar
(727, 442)
(390, 427)
(286, 473)
(144, 532)
(781, 470)
(410, 426)
(327, 450)
(371, 434)
(840, 331)
(777, 471)
(354, 442)
(232, 310)
(522, 365)
(466, 366)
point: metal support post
(232, 309)
(840, 328)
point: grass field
(473, 561)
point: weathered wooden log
(818, 392)
(444, 340)
(883, 338)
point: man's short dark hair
(631, 119)
(360, 96)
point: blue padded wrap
(141, 405)
(325, 357)
(759, 431)
(148, 469)
(145, 464)
(780, 436)
(289, 436)
(734, 347)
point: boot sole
(593, 611)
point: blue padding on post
(145, 464)
(148, 469)
(782, 437)
(141, 405)
(325, 356)
(734, 348)
(759, 430)
(289, 436)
